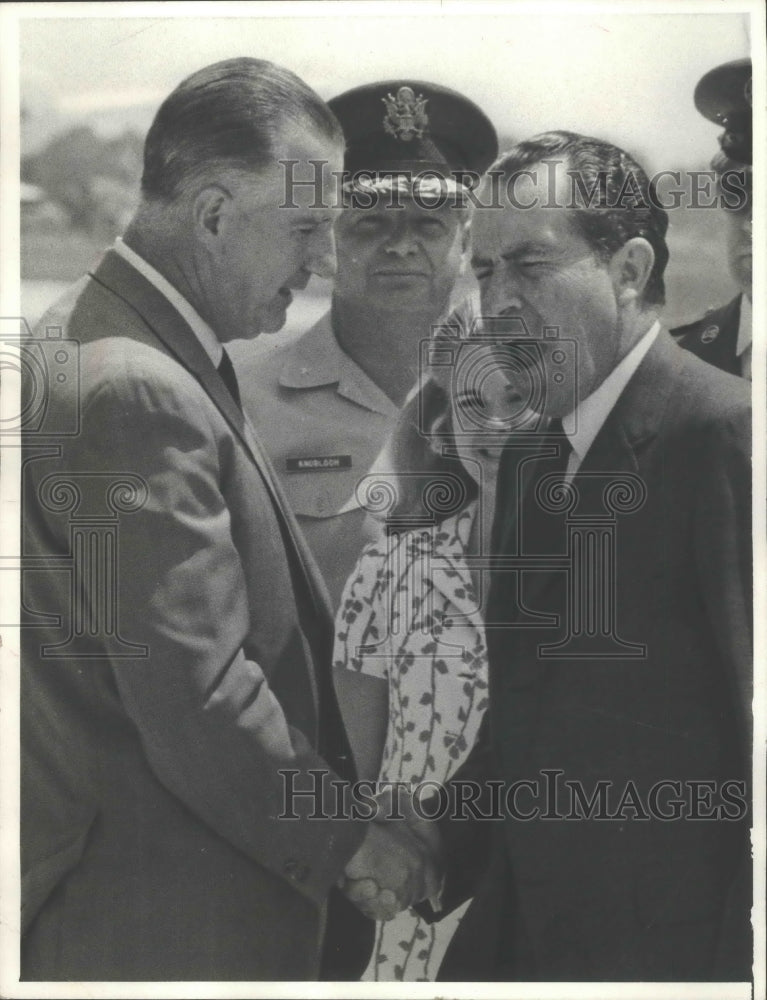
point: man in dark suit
(723, 336)
(619, 614)
(177, 637)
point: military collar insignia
(405, 117)
(709, 334)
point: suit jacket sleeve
(211, 727)
(723, 540)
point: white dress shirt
(210, 342)
(586, 420)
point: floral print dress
(409, 615)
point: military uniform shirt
(722, 337)
(323, 422)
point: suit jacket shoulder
(675, 393)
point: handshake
(397, 865)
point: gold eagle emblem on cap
(405, 116)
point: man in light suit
(175, 681)
(619, 612)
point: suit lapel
(173, 332)
(167, 324)
(641, 407)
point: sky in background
(626, 77)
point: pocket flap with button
(320, 493)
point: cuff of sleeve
(318, 847)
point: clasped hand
(396, 866)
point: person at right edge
(723, 336)
(619, 616)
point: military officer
(327, 401)
(723, 336)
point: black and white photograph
(383, 508)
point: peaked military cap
(724, 96)
(411, 127)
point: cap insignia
(709, 334)
(405, 116)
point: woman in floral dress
(410, 657)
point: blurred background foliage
(78, 191)
(80, 187)
(90, 87)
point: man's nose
(322, 261)
(499, 294)
(402, 241)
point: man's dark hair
(227, 113)
(610, 196)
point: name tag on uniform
(318, 463)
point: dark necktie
(516, 486)
(541, 524)
(555, 463)
(524, 522)
(525, 526)
(226, 371)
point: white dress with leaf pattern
(409, 615)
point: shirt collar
(586, 420)
(314, 359)
(210, 342)
(317, 359)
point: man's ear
(210, 210)
(466, 238)
(436, 432)
(630, 269)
